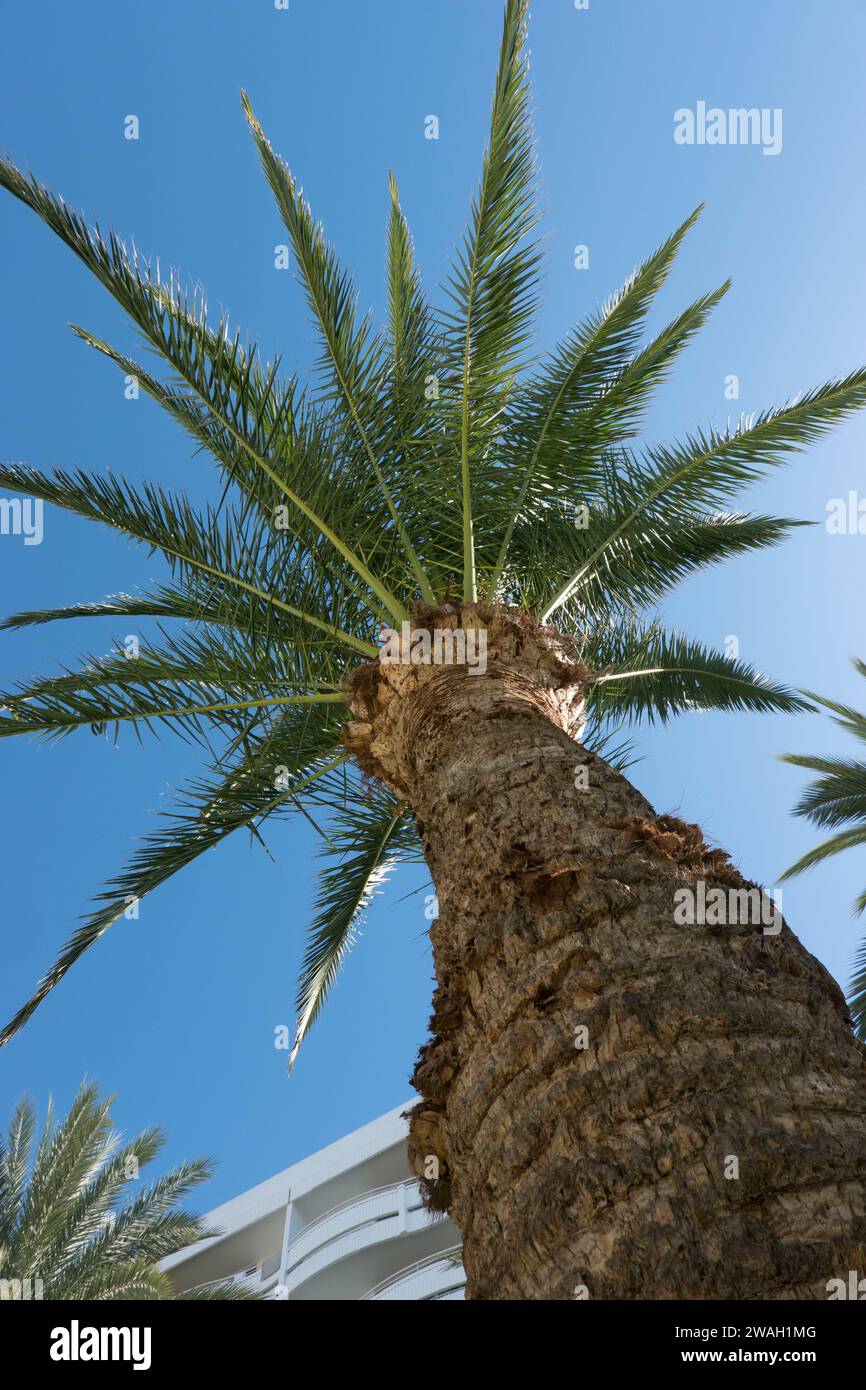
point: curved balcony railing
(263, 1278)
(381, 1214)
(440, 1276)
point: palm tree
(594, 1070)
(75, 1222)
(837, 798)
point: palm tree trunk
(613, 1104)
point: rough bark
(605, 1170)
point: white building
(346, 1223)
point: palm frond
(847, 839)
(492, 285)
(636, 567)
(14, 1163)
(605, 741)
(263, 780)
(240, 398)
(353, 353)
(588, 393)
(857, 987)
(714, 465)
(196, 683)
(72, 1223)
(837, 798)
(196, 544)
(646, 673)
(371, 834)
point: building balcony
(343, 1224)
(438, 1278)
(262, 1278)
(340, 1253)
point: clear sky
(176, 1012)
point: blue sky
(176, 1012)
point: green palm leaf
(589, 392)
(239, 397)
(647, 674)
(264, 780)
(714, 465)
(857, 987)
(837, 798)
(492, 286)
(371, 835)
(67, 1217)
(14, 1159)
(353, 353)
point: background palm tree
(74, 1216)
(837, 798)
(435, 474)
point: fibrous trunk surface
(617, 1105)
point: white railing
(380, 1214)
(375, 1205)
(439, 1276)
(256, 1282)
